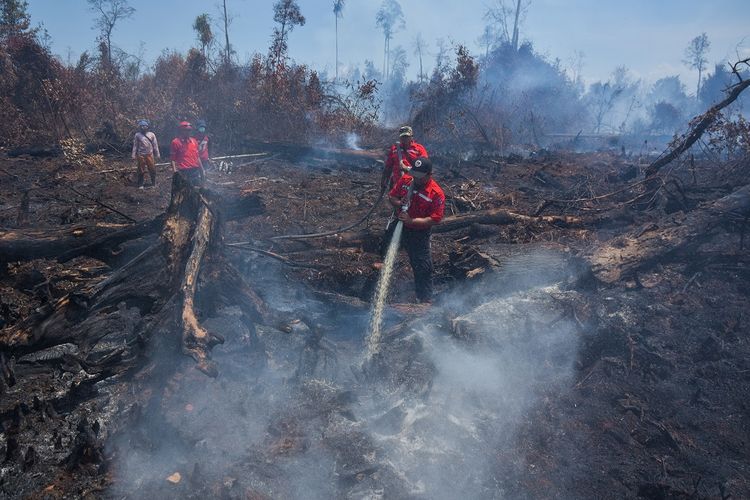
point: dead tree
(162, 290)
(699, 124)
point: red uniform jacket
(184, 153)
(426, 202)
(414, 151)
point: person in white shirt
(145, 149)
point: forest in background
(508, 95)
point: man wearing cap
(145, 148)
(401, 156)
(426, 208)
(185, 156)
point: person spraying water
(420, 203)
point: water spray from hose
(381, 291)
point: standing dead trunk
(699, 126)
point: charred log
(28, 244)
(99, 241)
(159, 287)
(640, 249)
(500, 216)
(495, 217)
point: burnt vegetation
(589, 335)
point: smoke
(287, 417)
(352, 141)
(501, 360)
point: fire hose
(405, 207)
(231, 157)
(336, 231)
(350, 226)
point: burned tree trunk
(496, 216)
(196, 341)
(28, 244)
(99, 241)
(156, 291)
(698, 126)
(624, 256)
(500, 216)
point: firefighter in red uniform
(408, 150)
(425, 210)
(185, 155)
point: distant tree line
(507, 94)
(101, 96)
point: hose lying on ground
(336, 231)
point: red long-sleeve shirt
(409, 154)
(428, 201)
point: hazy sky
(647, 36)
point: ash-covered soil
(528, 378)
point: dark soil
(650, 402)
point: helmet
(185, 126)
(143, 123)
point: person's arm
(200, 160)
(396, 195)
(135, 146)
(418, 222)
(203, 145)
(406, 159)
(438, 209)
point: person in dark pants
(426, 207)
(185, 156)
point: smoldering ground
(288, 417)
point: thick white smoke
(288, 419)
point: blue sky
(649, 37)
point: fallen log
(160, 290)
(99, 240)
(624, 256)
(499, 216)
(28, 244)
